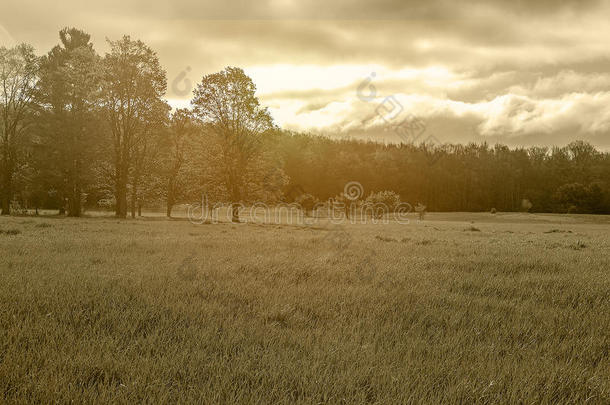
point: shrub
(381, 203)
(10, 232)
(107, 203)
(385, 239)
(343, 203)
(576, 198)
(307, 202)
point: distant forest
(83, 131)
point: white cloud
(511, 69)
(509, 115)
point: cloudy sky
(516, 72)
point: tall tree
(178, 142)
(134, 83)
(18, 75)
(227, 103)
(68, 91)
(146, 155)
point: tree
(307, 203)
(18, 75)
(345, 203)
(68, 92)
(146, 155)
(134, 84)
(179, 140)
(381, 203)
(226, 102)
(580, 199)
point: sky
(515, 72)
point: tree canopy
(79, 130)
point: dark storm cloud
(460, 32)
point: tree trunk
(139, 208)
(168, 211)
(76, 205)
(170, 198)
(121, 177)
(6, 204)
(121, 200)
(74, 202)
(6, 197)
(134, 199)
(134, 192)
(7, 187)
(133, 203)
(121, 193)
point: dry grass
(101, 310)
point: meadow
(459, 308)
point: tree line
(79, 130)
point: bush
(10, 232)
(381, 203)
(307, 202)
(107, 203)
(576, 198)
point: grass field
(460, 308)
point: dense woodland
(82, 131)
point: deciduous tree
(178, 142)
(18, 76)
(227, 103)
(134, 82)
